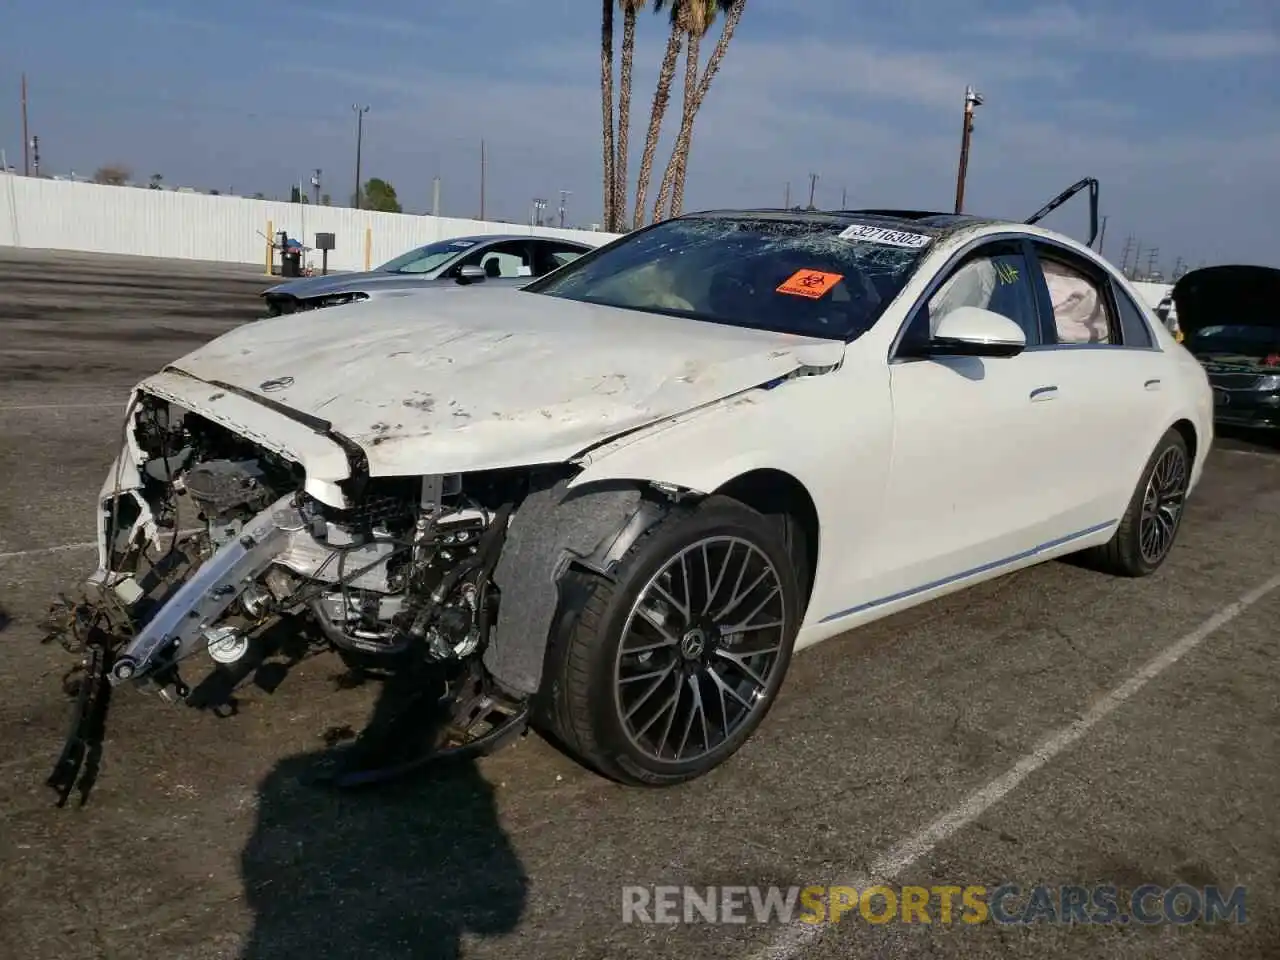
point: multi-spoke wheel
(1149, 527)
(1162, 503)
(667, 671)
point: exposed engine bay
(402, 575)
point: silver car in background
(508, 260)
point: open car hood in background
(1229, 294)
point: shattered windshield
(428, 258)
(812, 277)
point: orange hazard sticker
(810, 283)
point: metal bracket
(176, 627)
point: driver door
(975, 439)
(505, 260)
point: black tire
(581, 704)
(1124, 554)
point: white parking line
(891, 863)
(60, 406)
(1262, 454)
(89, 545)
(14, 554)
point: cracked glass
(797, 276)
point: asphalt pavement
(1054, 727)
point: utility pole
(844, 198)
(535, 215)
(813, 186)
(786, 203)
(35, 155)
(564, 194)
(26, 137)
(360, 112)
(435, 196)
(1124, 254)
(484, 162)
(1151, 260)
(315, 184)
(972, 99)
(1137, 259)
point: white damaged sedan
(613, 503)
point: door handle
(1151, 385)
(1044, 393)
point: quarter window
(1132, 323)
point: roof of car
(934, 222)
(503, 237)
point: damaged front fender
(553, 530)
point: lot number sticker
(892, 238)
(809, 283)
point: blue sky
(1173, 105)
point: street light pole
(360, 112)
(972, 99)
(26, 137)
(564, 195)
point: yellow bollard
(270, 247)
(368, 248)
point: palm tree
(698, 18)
(606, 105)
(630, 10)
(661, 99)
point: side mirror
(974, 332)
(470, 273)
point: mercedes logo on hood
(279, 383)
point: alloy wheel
(1162, 503)
(699, 649)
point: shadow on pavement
(401, 870)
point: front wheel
(1151, 521)
(669, 669)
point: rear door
(1112, 372)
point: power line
(1124, 255)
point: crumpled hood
(450, 384)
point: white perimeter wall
(89, 217)
(1153, 293)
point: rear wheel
(1150, 524)
(666, 672)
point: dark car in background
(494, 259)
(1230, 320)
